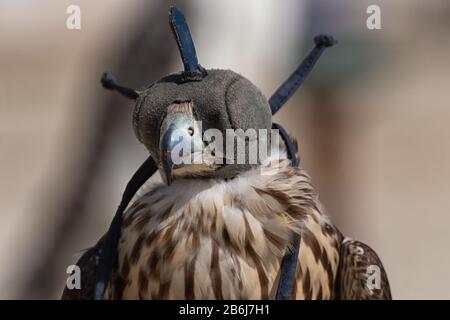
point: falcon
(231, 225)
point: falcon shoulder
(361, 273)
(88, 267)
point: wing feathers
(361, 273)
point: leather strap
(108, 253)
(288, 88)
(289, 262)
(192, 69)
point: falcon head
(191, 121)
(201, 123)
(179, 122)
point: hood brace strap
(108, 251)
(289, 262)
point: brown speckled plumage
(212, 239)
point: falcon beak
(180, 144)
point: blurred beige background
(372, 121)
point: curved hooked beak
(181, 145)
